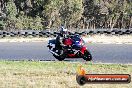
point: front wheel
(87, 56)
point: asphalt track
(102, 53)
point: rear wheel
(87, 56)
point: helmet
(63, 30)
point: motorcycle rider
(59, 39)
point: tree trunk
(110, 24)
(0, 6)
(130, 25)
(113, 23)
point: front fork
(49, 47)
(83, 49)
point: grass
(35, 74)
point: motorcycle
(73, 47)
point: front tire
(87, 56)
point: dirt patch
(124, 39)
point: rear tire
(87, 56)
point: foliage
(1, 25)
(40, 14)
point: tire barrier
(54, 34)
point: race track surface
(102, 53)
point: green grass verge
(35, 74)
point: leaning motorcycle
(73, 47)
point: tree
(71, 12)
(11, 13)
(23, 14)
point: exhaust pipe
(53, 53)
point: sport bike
(72, 47)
